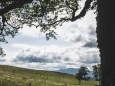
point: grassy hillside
(13, 76)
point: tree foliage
(46, 14)
(97, 71)
(82, 72)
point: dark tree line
(15, 13)
(82, 72)
(97, 72)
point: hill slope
(14, 76)
(73, 71)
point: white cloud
(75, 46)
(81, 30)
(54, 57)
(31, 31)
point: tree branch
(83, 12)
(14, 5)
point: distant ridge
(73, 71)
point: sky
(75, 47)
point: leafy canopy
(46, 14)
(97, 71)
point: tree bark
(106, 40)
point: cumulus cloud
(79, 31)
(72, 33)
(41, 55)
(31, 31)
(75, 46)
(92, 30)
(90, 58)
(90, 44)
(2, 59)
(71, 56)
(30, 59)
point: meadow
(14, 76)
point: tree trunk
(106, 40)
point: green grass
(14, 76)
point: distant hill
(73, 71)
(14, 76)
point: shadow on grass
(79, 84)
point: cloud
(75, 46)
(67, 59)
(43, 56)
(90, 58)
(31, 31)
(52, 57)
(39, 59)
(2, 59)
(90, 44)
(77, 32)
(71, 33)
(69, 56)
(92, 30)
(30, 59)
(78, 39)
